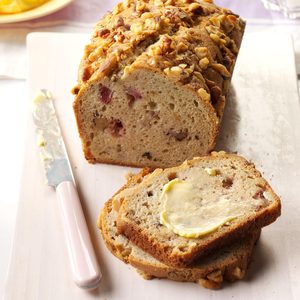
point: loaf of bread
(152, 82)
(227, 264)
(220, 182)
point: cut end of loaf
(144, 120)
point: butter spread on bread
(192, 214)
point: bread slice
(227, 264)
(153, 81)
(236, 178)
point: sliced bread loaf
(217, 179)
(229, 263)
(153, 81)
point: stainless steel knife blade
(52, 148)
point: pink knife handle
(84, 265)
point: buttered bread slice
(227, 264)
(180, 214)
(153, 81)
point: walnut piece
(137, 28)
(208, 284)
(215, 276)
(195, 7)
(203, 63)
(221, 69)
(238, 273)
(201, 52)
(204, 95)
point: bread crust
(204, 245)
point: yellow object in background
(17, 6)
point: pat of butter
(187, 214)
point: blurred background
(79, 16)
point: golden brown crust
(118, 35)
(205, 245)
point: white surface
(261, 121)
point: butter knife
(85, 269)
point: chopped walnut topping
(209, 284)
(201, 52)
(158, 24)
(203, 63)
(221, 18)
(158, 3)
(150, 24)
(195, 7)
(173, 71)
(238, 273)
(86, 74)
(216, 94)
(221, 69)
(156, 50)
(120, 22)
(181, 47)
(232, 18)
(215, 276)
(103, 33)
(118, 8)
(215, 21)
(147, 15)
(137, 28)
(119, 37)
(127, 3)
(140, 7)
(75, 90)
(167, 45)
(108, 66)
(217, 39)
(204, 95)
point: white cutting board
(262, 122)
